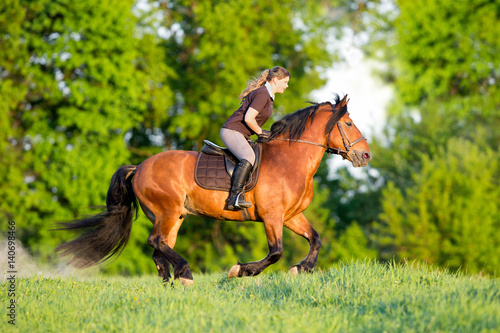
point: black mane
(293, 125)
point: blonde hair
(266, 76)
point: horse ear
(343, 102)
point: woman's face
(281, 85)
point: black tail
(105, 234)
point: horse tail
(106, 234)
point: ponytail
(265, 76)
(255, 83)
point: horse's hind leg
(181, 268)
(301, 226)
(161, 262)
(161, 265)
(162, 239)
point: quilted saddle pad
(211, 172)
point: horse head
(334, 131)
(345, 138)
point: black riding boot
(236, 198)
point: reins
(303, 141)
(330, 150)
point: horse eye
(348, 123)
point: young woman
(256, 108)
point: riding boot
(236, 198)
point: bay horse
(166, 190)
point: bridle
(330, 150)
(345, 139)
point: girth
(215, 166)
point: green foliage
(449, 49)
(445, 72)
(342, 209)
(348, 297)
(214, 47)
(70, 89)
(439, 153)
(445, 218)
(353, 243)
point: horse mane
(294, 124)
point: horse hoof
(234, 271)
(294, 271)
(186, 282)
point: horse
(164, 187)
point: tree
(444, 69)
(445, 218)
(443, 128)
(214, 47)
(72, 85)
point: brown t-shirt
(260, 100)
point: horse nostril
(367, 156)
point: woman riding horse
(165, 188)
(256, 108)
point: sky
(369, 96)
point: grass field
(348, 297)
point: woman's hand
(265, 136)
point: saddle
(215, 167)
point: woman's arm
(251, 121)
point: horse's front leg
(274, 232)
(301, 226)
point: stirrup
(243, 204)
(237, 205)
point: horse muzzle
(359, 158)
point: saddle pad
(211, 174)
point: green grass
(349, 297)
